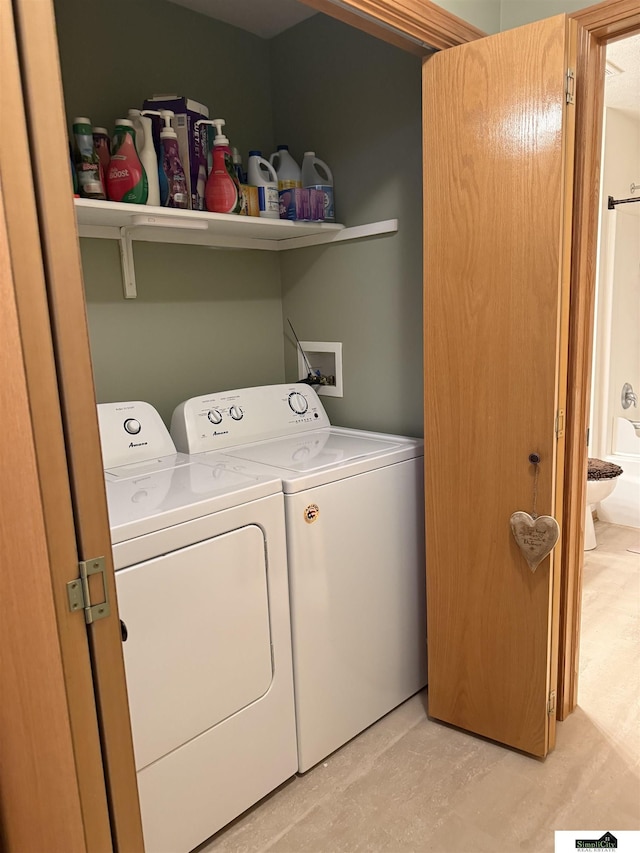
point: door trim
(598, 24)
(417, 26)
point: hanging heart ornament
(535, 536)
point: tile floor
(408, 784)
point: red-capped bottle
(222, 193)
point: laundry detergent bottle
(222, 193)
(177, 193)
(126, 178)
(261, 174)
(147, 152)
(317, 175)
(86, 160)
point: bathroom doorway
(609, 687)
(615, 407)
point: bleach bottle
(262, 175)
(126, 178)
(317, 175)
(288, 171)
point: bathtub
(623, 505)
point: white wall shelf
(128, 222)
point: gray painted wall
(212, 319)
(484, 14)
(361, 112)
(115, 53)
(494, 16)
(516, 13)
(204, 319)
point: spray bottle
(222, 193)
(177, 195)
(146, 151)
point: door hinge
(559, 423)
(79, 595)
(571, 86)
(551, 704)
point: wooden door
(51, 314)
(52, 786)
(498, 139)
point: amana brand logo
(607, 842)
(138, 444)
(221, 432)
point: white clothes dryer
(201, 578)
(355, 540)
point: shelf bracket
(126, 261)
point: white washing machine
(355, 540)
(201, 577)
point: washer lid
(150, 500)
(326, 455)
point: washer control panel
(298, 403)
(228, 418)
(132, 432)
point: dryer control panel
(132, 432)
(229, 418)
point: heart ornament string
(535, 535)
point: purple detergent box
(192, 139)
(301, 204)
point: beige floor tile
(410, 784)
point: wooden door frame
(598, 25)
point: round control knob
(298, 403)
(236, 413)
(132, 426)
(214, 416)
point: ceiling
(264, 18)
(622, 90)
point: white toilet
(601, 481)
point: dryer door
(199, 640)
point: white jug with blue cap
(261, 174)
